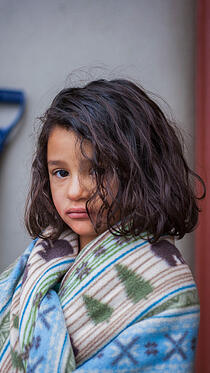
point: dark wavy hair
(133, 141)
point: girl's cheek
(55, 196)
(58, 205)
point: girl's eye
(92, 172)
(61, 173)
(99, 171)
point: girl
(102, 287)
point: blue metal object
(9, 96)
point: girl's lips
(77, 214)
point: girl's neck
(84, 240)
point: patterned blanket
(118, 305)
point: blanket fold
(121, 305)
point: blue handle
(11, 97)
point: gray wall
(43, 42)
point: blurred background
(46, 45)
(49, 44)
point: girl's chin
(86, 229)
(82, 228)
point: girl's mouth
(77, 214)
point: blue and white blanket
(119, 305)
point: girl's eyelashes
(63, 173)
(60, 173)
(92, 172)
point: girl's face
(72, 182)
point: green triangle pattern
(135, 286)
(4, 329)
(15, 321)
(16, 360)
(97, 310)
(71, 365)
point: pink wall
(203, 168)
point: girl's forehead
(66, 143)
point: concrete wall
(42, 42)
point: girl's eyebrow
(56, 163)
(85, 161)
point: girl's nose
(76, 189)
